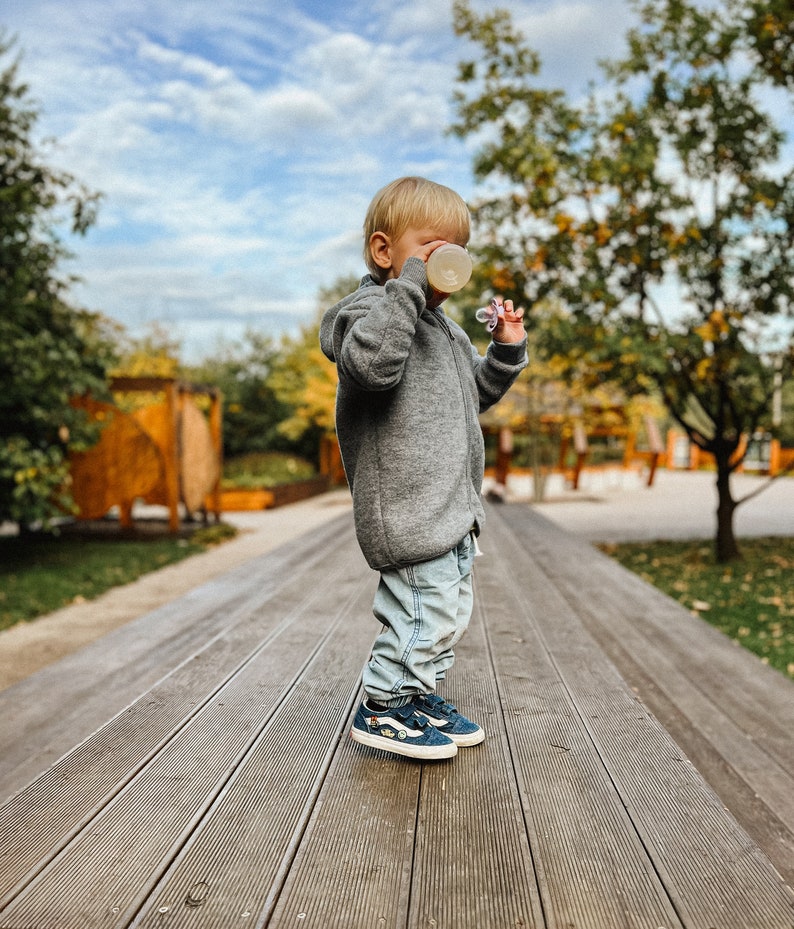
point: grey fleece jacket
(410, 388)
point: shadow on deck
(637, 773)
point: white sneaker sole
(471, 738)
(420, 752)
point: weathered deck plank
(43, 717)
(101, 767)
(245, 842)
(678, 819)
(454, 852)
(230, 795)
(732, 715)
(577, 822)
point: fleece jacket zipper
(466, 412)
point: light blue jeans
(425, 609)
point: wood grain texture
(227, 792)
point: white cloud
(183, 62)
(354, 164)
(569, 35)
(238, 142)
(276, 120)
(416, 20)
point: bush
(266, 469)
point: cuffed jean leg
(425, 609)
(465, 552)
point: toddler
(411, 386)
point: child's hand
(424, 251)
(510, 327)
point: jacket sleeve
(372, 334)
(496, 372)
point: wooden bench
(209, 781)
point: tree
(305, 379)
(154, 354)
(49, 351)
(769, 29)
(252, 412)
(279, 396)
(656, 211)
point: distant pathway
(679, 505)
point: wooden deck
(197, 770)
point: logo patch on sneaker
(394, 727)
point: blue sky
(238, 142)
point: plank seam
(667, 883)
(532, 840)
(109, 798)
(136, 912)
(664, 879)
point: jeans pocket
(466, 552)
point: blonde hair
(414, 202)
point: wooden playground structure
(640, 442)
(161, 443)
(761, 454)
(165, 451)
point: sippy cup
(448, 268)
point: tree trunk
(727, 548)
(538, 477)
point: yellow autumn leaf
(703, 368)
(503, 280)
(537, 262)
(719, 322)
(563, 222)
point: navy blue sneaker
(445, 718)
(402, 731)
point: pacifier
(490, 315)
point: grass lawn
(41, 573)
(751, 600)
(265, 469)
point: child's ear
(380, 249)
